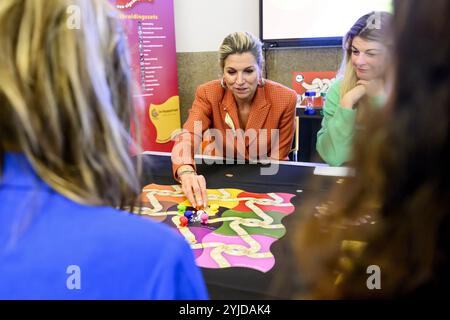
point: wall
(200, 27)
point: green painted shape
(226, 230)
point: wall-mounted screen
(312, 22)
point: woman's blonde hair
(65, 97)
(374, 26)
(241, 42)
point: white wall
(201, 25)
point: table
(292, 177)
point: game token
(183, 221)
(198, 215)
(204, 218)
(188, 214)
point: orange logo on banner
(318, 81)
(127, 4)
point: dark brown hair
(396, 207)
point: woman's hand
(371, 88)
(354, 95)
(194, 187)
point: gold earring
(261, 83)
(222, 84)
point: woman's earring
(222, 83)
(261, 83)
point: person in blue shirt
(65, 166)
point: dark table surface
(292, 177)
(308, 127)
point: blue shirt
(54, 248)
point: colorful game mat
(238, 234)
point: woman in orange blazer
(244, 116)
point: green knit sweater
(334, 139)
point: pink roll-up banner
(150, 29)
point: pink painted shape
(199, 233)
(262, 264)
(286, 199)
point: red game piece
(183, 221)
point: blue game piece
(188, 214)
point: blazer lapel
(229, 111)
(258, 113)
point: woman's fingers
(197, 193)
(362, 82)
(202, 183)
(186, 185)
(194, 187)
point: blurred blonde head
(65, 96)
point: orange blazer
(273, 107)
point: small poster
(150, 30)
(317, 81)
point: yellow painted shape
(166, 118)
(227, 198)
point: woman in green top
(360, 78)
